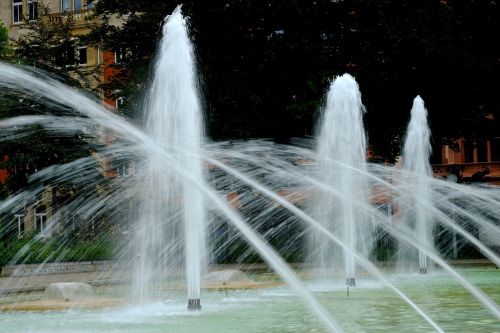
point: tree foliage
(265, 65)
(4, 41)
(45, 43)
(50, 43)
(29, 149)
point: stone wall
(58, 268)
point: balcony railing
(468, 169)
(79, 16)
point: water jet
(272, 195)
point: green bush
(33, 250)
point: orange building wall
(4, 174)
(109, 71)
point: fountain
(170, 206)
(259, 190)
(341, 151)
(68, 291)
(416, 153)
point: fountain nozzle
(423, 270)
(194, 304)
(350, 282)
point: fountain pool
(190, 204)
(369, 308)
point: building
(14, 12)
(33, 216)
(471, 160)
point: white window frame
(82, 5)
(32, 5)
(42, 218)
(118, 102)
(124, 52)
(17, 5)
(63, 10)
(77, 55)
(20, 221)
(116, 57)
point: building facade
(35, 216)
(471, 161)
(87, 58)
(14, 12)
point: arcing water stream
(174, 200)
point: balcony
(489, 171)
(79, 16)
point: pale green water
(369, 308)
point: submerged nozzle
(423, 270)
(194, 304)
(350, 282)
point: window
(77, 5)
(119, 103)
(468, 151)
(17, 11)
(41, 220)
(32, 9)
(121, 54)
(20, 223)
(66, 56)
(495, 149)
(81, 55)
(482, 151)
(65, 6)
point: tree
(265, 65)
(4, 41)
(30, 149)
(134, 41)
(47, 43)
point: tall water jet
(341, 155)
(479, 205)
(416, 153)
(173, 211)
